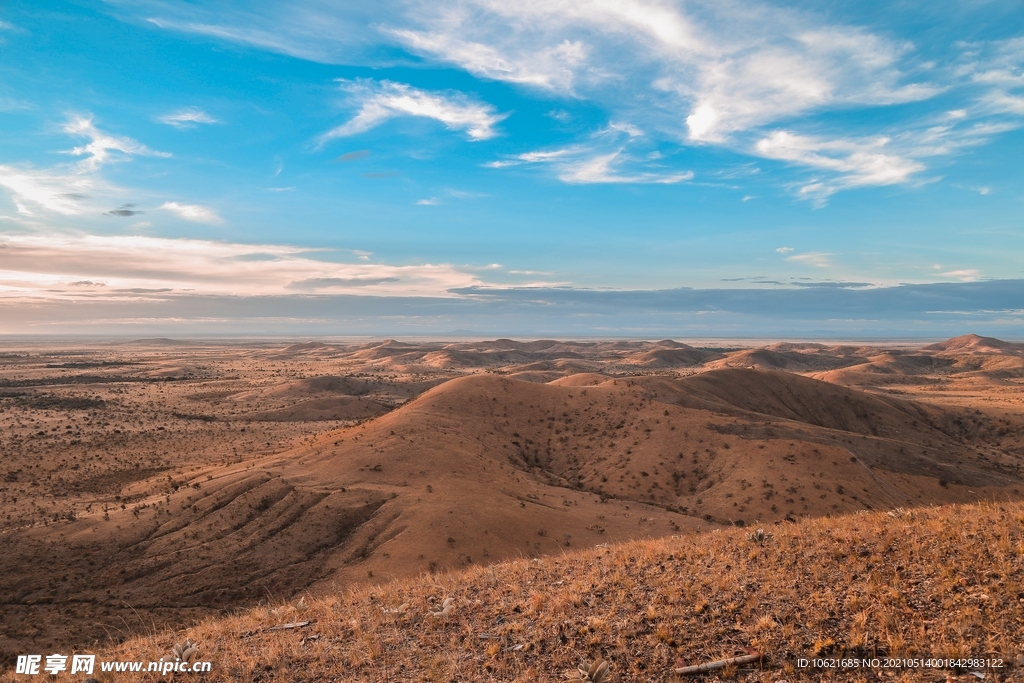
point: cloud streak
(187, 118)
(853, 163)
(46, 265)
(103, 148)
(822, 310)
(604, 159)
(380, 101)
(812, 258)
(193, 212)
(62, 191)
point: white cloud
(431, 201)
(997, 69)
(729, 67)
(79, 188)
(782, 250)
(384, 100)
(186, 118)
(603, 159)
(627, 128)
(997, 62)
(102, 148)
(193, 212)
(62, 191)
(310, 30)
(582, 166)
(853, 162)
(464, 194)
(550, 68)
(1002, 102)
(965, 275)
(817, 259)
(53, 265)
(601, 169)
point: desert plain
(147, 485)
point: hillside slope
(930, 583)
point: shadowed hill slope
(923, 584)
(794, 397)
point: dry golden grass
(931, 582)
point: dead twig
(285, 627)
(279, 627)
(720, 664)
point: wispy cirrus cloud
(103, 147)
(717, 68)
(963, 274)
(316, 31)
(851, 162)
(817, 259)
(186, 118)
(729, 73)
(380, 101)
(552, 67)
(451, 193)
(579, 166)
(10, 104)
(605, 158)
(193, 212)
(998, 68)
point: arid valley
(147, 485)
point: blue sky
(413, 168)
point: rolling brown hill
(972, 343)
(484, 468)
(674, 357)
(789, 360)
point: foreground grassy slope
(930, 582)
